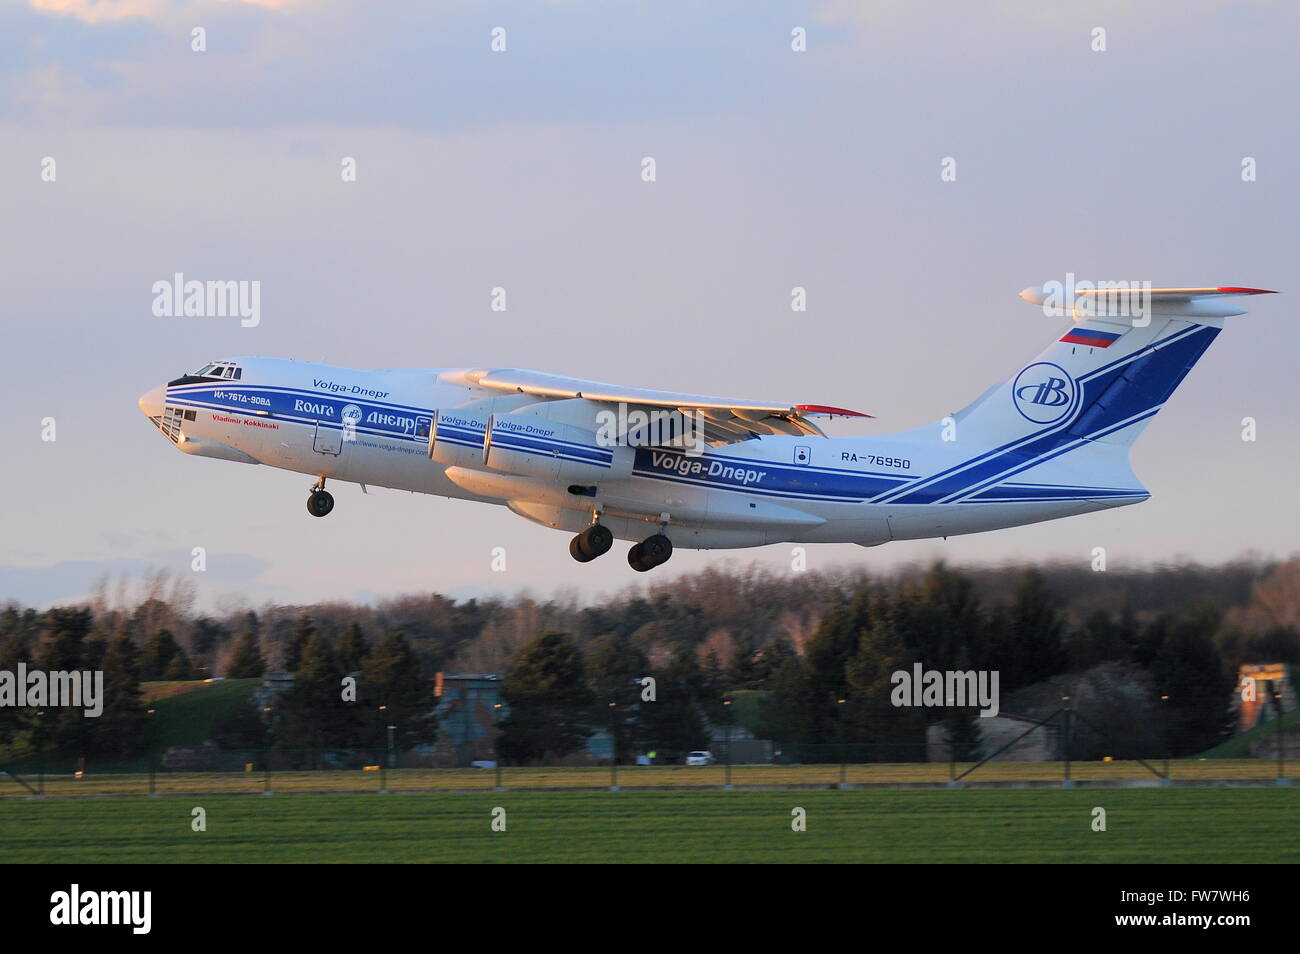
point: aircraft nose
(151, 402)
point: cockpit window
(219, 370)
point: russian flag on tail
(1090, 337)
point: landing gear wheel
(575, 550)
(636, 559)
(656, 550)
(320, 503)
(595, 541)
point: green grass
(1238, 747)
(1221, 825)
(188, 718)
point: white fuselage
(372, 428)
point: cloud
(110, 11)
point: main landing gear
(320, 501)
(597, 539)
(593, 542)
(650, 553)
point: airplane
(667, 470)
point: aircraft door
(328, 440)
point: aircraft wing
(727, 420)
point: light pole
(153, 749)
(727, 782)
(613, 747)
(267, 750)
(839, 725)
(1066, 783)
(1281, 739)
(40, 752)
(496, 740)
(1164, 722)
(383, 765)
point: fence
(809, 766)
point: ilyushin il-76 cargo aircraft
(667, 470)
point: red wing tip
(1234, 290)
(827, 409)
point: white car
(700, 758)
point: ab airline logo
(1044, 393)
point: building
(469, 706)
(1041, 743)
(1251, 698)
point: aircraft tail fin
(1089, 394)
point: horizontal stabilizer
(1126, 300)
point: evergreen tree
(1187, 668)
(157, 654)
(65, 634)
(313, 714)
(678, 721)
(303, 630)
(352, 647)
(119, 730)
(392, 677)
(241, 728)
(615, 668)
(246, 659)
(1028, 645)
(179, 669)
(549, 701)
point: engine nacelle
(534, 447)
(456, 438)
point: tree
(392, 677)
(615, 668)
(550, 704)
(313, 715)
(119, 730)
(246, 660)
(678, 720)
(1027, 646)
(353, 649)
(157, 654)
(1187, 668)
(241, 728)
(66, 630)
(303, 630)
(179, 668)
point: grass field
(1222, 825)
(634, 777)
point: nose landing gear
(320, 501)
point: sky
(522, 168)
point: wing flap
(726, 420)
